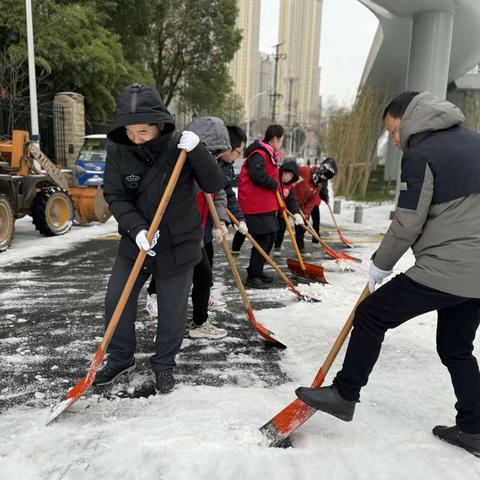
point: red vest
(286, 189)
(252, 198)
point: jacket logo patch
(403, 186)
(132, 181)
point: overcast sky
(348, 28)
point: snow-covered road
(211, 432)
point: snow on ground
(200, 432)
(28, 243)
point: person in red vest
(314, 179)
(257, 187)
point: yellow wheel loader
(31, 184)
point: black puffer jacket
(232, 200)
(136, 177)
(287, 190)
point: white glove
(188, 141)
(376, 275)
(298, 219)
(142, 242)
(242, 228)
(219, 233)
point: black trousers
(315, 215)
(202, 281)
(257, 262)
(280, 233)
(237, 242)
(172, 296)
(396, 302)
(210, 252)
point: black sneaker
(256, 282)
(109, 373)
(328, 400)
(164, 381)
(468, 441)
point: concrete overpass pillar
(430, 48)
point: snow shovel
(299, 267)
(84, 384)
(264, 332)
(326, 248)
(269, 260)
(340, 235)
(297, 413)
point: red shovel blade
(346, 256)
(338, 255)
(312, 272)
(264, 332)
(288, 420)
(344, 240)
(80, 388)
(291, 417)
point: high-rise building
(298, 80)
(262, 104)
(244, 67)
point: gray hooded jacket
(438, 211)
(214, 135)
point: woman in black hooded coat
(141, 155)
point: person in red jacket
(314, 180)
(257, 187)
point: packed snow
(200, 432)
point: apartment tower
(298, 80)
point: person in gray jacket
(438, 216)
(214, 136)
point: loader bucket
(90, 206)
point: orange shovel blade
(80, 388)
(312, 272)
(291, 417)
(263, 331)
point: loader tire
(7, 223)
(52, 211)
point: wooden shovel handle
(290, 231)
(264, 254)
(142, 253)
(307, 227)
(339, 341)
(228, 253)
(333, 216)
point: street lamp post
(291, 139)
(31, 75)
(248, 111)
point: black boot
(266, 278)
(328, 400)
(469, 441)
(256, 282)
(109, 373)
(164, 381)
